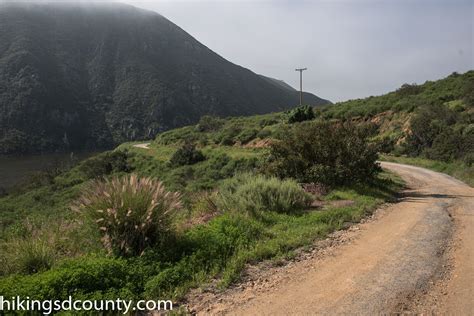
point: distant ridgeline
(83, 76)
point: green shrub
(106, 163)
(227, 136)
(447, 146)
(83, 277)
(26, 256)
(264, 133)
(187, 155)
(469, 159)
(39, 242)
(253, 194)
(209, 123)
(247, 135)
(210, 249)
(300, 114)
(386, 144)
(439, 132)
(132, 213)
(409, 89)
(426, 125)
(324, 152)
(468, 90)
(268, 121)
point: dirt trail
(416, 256)
(143, 146)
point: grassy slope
(198, 253)
(221, 247)
(51, 200)
(444, 91)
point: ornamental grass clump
(131, 213)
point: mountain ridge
(82, 76)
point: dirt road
(418, 256)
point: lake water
(14, 169)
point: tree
(324, 152)
(187, 155)
(300, 114)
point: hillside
(433, 120)
(83, 76)
(245, 189)
(237, 143)
(206, 239)
(456, 90)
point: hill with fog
(83, 76)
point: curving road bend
(418, 257)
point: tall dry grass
(132, 213)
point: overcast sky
(352, 48)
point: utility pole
(301, 83)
